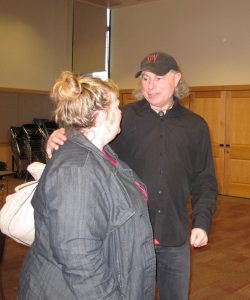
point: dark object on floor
(3, 166)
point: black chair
(39, 122)
(3, 166)
(49, 127)
(19, 157)
(28, 145)
(46, 126)
(34, 140)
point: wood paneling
(126, 97)
(237, 139)
(5, 154)
(211, 106)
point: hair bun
(67, 87)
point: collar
(78, 138)
(142, 108)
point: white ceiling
(116, 3)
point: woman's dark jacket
(93, 234)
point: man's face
(159, 90)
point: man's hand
(56, 139)
(198, 237)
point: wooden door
(185, 102)
(237, 141)
(211, 106)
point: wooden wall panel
(211, 106)
(237, 151)
(5, 154)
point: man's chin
(153, 99)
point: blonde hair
(78, 98)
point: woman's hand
(56, 139)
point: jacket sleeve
(204, 184)
(78, 223)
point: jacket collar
(82, 141)
(78, 138)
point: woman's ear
(101, 117)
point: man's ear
(177, 77)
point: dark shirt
(172, 155)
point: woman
(93, 236)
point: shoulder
(78, 154)
(135, 107)
(133, 112)
(70, 154)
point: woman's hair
(78, 98)
(181, 90)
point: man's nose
(151, 84)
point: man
(169, 148)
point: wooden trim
(206, 94)
(220, 88)
(192, 89)
(4, 143)
(22, 91)
(126, 90)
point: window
(105, 74)
(90, 45)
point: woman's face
(114, 117)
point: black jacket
(172, 155)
